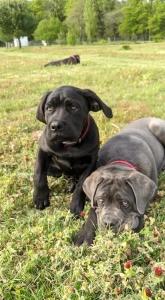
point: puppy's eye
(70, 106)
(73, 107)
(100, 202)
(125, 203)
(50, 108)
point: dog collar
(124, 163)
(82, 135)
(74, 58)
(85, 130)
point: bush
(126, 47)
(48, 30)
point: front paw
(77, 204)
(83, 237)
(41, 199)
(76, 208)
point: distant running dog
(71, 60)
(126, 180)
(69, 143)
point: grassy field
(37, 258)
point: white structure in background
(24, 41)
(44, 43)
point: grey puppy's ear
(144, 190)
(90, 186)
(40, 115)
(96, 104)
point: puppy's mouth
(133, 222)
(61, 138)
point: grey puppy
(126, 180)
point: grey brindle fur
(69, 143)
(120, 194)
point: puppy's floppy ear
(40, 115)
(144, 190)
(90, 186)
(96, 104)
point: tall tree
(104, 7)
(112, 21)
(16, 19)
(37, 7)
(91, 19)
(48, 8)
(75, 19)
(55, 8)
(156, 22)
(135, 21)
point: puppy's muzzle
(56, 126)
(109, 222)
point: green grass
(37, 258)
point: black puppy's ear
(144, 190)
(40, 115)
(96, 104)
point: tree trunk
(19, 42)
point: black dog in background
(71, 60)
(69, 143)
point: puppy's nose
(109, 223)
(56, 125)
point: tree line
(79, 21)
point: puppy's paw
(76, 206)
(83, 237)
(41, 199)
(76, 209)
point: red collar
(74, 58)
(124, 163)
(82, 135)
(84, 130)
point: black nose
(110, 223)
(56, 126)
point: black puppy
(69, 143)
(71, 60)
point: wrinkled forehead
(113, 188)
(61, 94)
